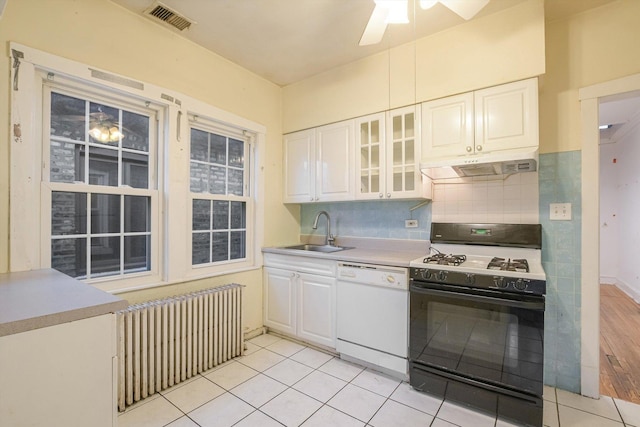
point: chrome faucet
(328, 239)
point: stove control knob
(521, 284)
(500, 282)
(442, 275)
(425, 274)
(470, 279)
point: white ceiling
(286, 41)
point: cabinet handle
(293, 274)
(469, 148)
(311, 199)
(388, 195)
(478, 147)
(381, 195)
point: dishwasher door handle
(346, 273)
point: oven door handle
(529, 305)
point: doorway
(619, 122)
(590, 99)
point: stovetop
(501, 268)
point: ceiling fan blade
(467, 9)
(376, 26)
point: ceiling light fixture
(395, 12)
(602, 127)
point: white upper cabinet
(334, 155)
(497, 118)
(447, 126)
(387, 152)
(507, 116)
(316, 164)
(370, 156)
(299, 167)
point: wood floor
(619, 345)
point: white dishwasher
(372, 315)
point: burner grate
(445, 259)
(519, 265)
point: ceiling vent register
(170, 17)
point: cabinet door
(403, 178)
(507, 116)
(299, 167)
(316, 309)
(279, 300)
(334, 159)
(447, 127)
(370, 156)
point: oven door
(483, 336)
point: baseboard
(607, 280)
(629, 290)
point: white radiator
(164, 342)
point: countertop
(392, 252)
(41, 298)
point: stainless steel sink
(317, 248)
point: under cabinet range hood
(504, 162)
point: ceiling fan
(395, 12)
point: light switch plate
(560, 211)
(410, 223)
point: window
(101, 178)
(220, 202)
(108, 187)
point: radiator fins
(164, 342)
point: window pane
(103, 166)
(200, 243)
(199, 145)
(67, 117)
(68, 213)
(67, 162)
(199, 178)
(201, 215)
(236, 153)
(135, 170)
(220, 215)
(218, 149)
(105, 213)
(137, 254)
(217, 180)
(103, 124)
(135, 128)
(105, 256)
(220, 247)
(238, 215)
(69, 256)
(238, 245)
(137, 214)
(236, 182)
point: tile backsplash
(487, 200)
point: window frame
(88, 93)
(209, 125)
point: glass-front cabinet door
(370, 156)
(403, 179)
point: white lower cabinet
(62, 375)
(300, 297)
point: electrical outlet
(410, 223)
(560, 211)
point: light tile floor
(279, 382)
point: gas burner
(519, 265)
(444, 259)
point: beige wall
(498, 48)
(104, 35)
(589, 48)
